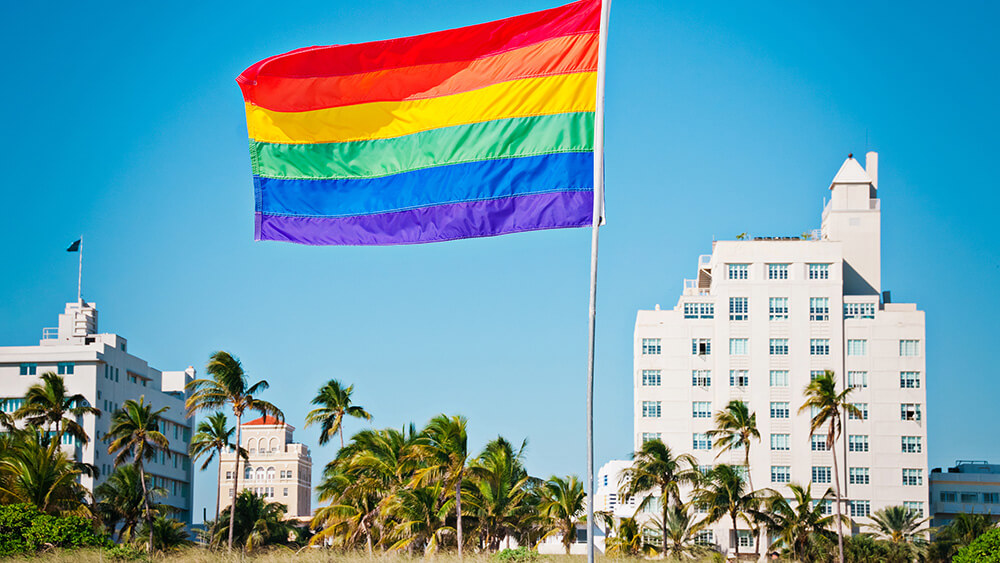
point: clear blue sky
(124, 123)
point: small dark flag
(75, 247)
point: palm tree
(735, 428)
(419, 517)
(958, 533)
(442, 448)
(897, 524)
(257, 522)
(212, 436)
(49, 405)
(229, 386)
(135, 433)
(334, 402)
(34, 470)
(626, 541)
(168, 534)
(682, 529)
(562, 502)
(796, 526)
(656, 468)
(830, 406)
(498, 491)
(723, 493)
(120, 500)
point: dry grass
(280, 555)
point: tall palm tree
(442, 448)
(656, 468)
(49, 405)
(723, 493)
(735, 428)
(212, 436)
(229, 386)
(562, 503)
(419, 517)
(830, 407)
(34, 470)
(797, 525)
(334, 401)
(498, 491)
(120, 500)
(135, 433)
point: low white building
(762, 317)
(99, 367)
(972, 487)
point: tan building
(278, 468)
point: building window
(819, 271)
(11, 405)
(650, 436)
(778, 308)
(651, 378)
(65, 368)
(704, 538)
(857, 347)
(699, 310)
(816, 374)
(739, 309)
(701, 346)
(860, 508)
(745, 539)
(779, 378)
(915, 506)
(701, 441)
(909, 380)
(863, 408)
(779, 410)
(991, 498)
(819, 308)
(777, 271)
(969, 498)
(909, 347)
(650, 346)
(780, 442)
(858, 475)
(948, 496)
(739, 378)
(857, 379)
(819, 346)
(818, 443)
(738, 346)
(911, 444)
(779, 346)
(859, 310)
(651, 409)
(857, 443)
(821, 474)
(825, 507)
(913, 477)
(29, 369)
(739, 271)
(701, 409)
(909, 411)
(701, 378)
(248, 473)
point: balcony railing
(50, 333)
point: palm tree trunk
(754, 530)
(236, 481)
(145, 500)
(836, 487)
(736, 537)
(663, 522)
(219, 480)
(458, 512)
(341, 438)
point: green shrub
(984, 549)
(126, 552)
(519, 555)
(24, 529)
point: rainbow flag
(470, 132)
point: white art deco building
(762, 317)
(99, 367)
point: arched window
(274, 445)
(270, 474)
(260, 473)
(252, 445)
(248, 473)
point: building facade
(278, 468)
(972, 487)
(99, 367)
(761, 319)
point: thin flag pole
(79, 275)
(602, 47)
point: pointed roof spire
(851, 173)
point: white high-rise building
(99, 367)
(763, 316)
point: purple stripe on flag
(437, 223)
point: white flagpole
(79, 275)
(598, 219)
